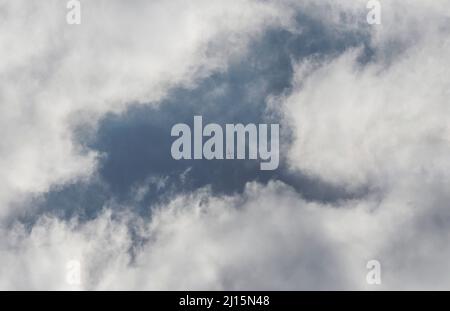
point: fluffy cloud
(380, 126)
(56, 77)
(384, 127)
(200, 242)
(267, 238)
(371, 124)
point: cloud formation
(370, 119)
(56, 77)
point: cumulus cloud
(268, 238)
(384, 126)
(55, 77)
(371, 124)
(380, 125)
(198, 242)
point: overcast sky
(87, 175)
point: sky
(87, 175)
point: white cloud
(383, 126)
(375, 124)
(268, 238)
(199, 242)
(55, 76)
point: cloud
(135, 144)
(376, 125)
(372, 124)
(268, 238)
(383, 126)
(55, 77)
(196, 241)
